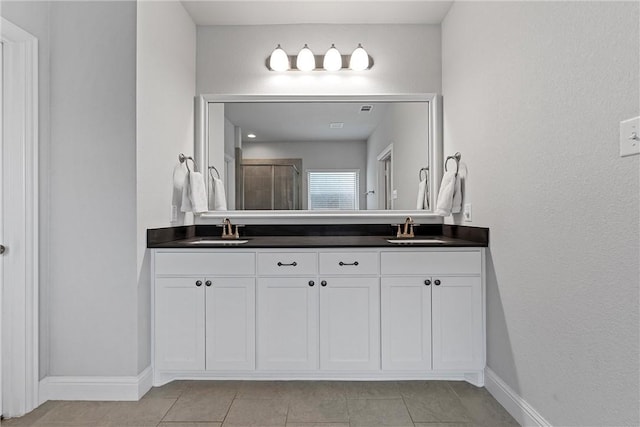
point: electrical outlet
(394, 194)
(466, 213)
(630, 137)
(174, 213)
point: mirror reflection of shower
(270, 184)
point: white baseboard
(519, 408)
(95, 388)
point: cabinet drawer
(347, 263)
(431, 263)
(287, 263)
(202, 264)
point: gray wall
(315, 155)
(87, 172)
(166, 83)
(231, 59)
(533, 94)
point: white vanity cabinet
(319, 313)
(314, 315)
(432, 311)
(204, 311)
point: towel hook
(455, 157)
(184, 159)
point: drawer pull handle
(436, 282)
(293, 264)
(198, 282)
(311, 283)
(323, 283)
(347, 263)
(427, 282)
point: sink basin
(221, 242)
(414, 241)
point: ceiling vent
(366, 108)
(336, 125)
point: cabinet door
(457, 323)
(350, 324)
(406, 323)
(230, 323)
(179, 324)
(288, 323)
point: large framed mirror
(319, 156)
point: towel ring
(426, 173)
(214, 168)
(455, 157)
(184, 159)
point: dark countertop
(352, 236)
(316, 242)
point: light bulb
(305, 60)
(332, 59)
(359, 59)
(279, 61)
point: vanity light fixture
(332, 60)
(359, 59)
(305, 61)
(279, 61)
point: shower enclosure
(270, 184)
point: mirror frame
(201, 152)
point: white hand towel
(219, 197)
(456, 204)
(197, 193)
(422, 202)
(185, 206)
(446, 196)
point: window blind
(333, 190)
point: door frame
(19, 352)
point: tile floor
(285, 403)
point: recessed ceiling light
(336, 125)
(251, 135)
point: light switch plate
(466, 213)
(630, 137)
(174, 213)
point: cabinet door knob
(311, 283)
(427, 282)
(436, 282)
(198, 282)
(208, 283)
(323, 283)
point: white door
(457, 323)
(406, 323)
(180, 304)
(230, 323)
(288, 323)
(349, 324)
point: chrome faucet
(407, 233)
(227, 230)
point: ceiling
(287, 122)
(269, 12)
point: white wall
(166, 52)
(533, 94)
(406, 126)
(315, 155)
(231, 59)
(34, 18)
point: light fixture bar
(306, 60)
